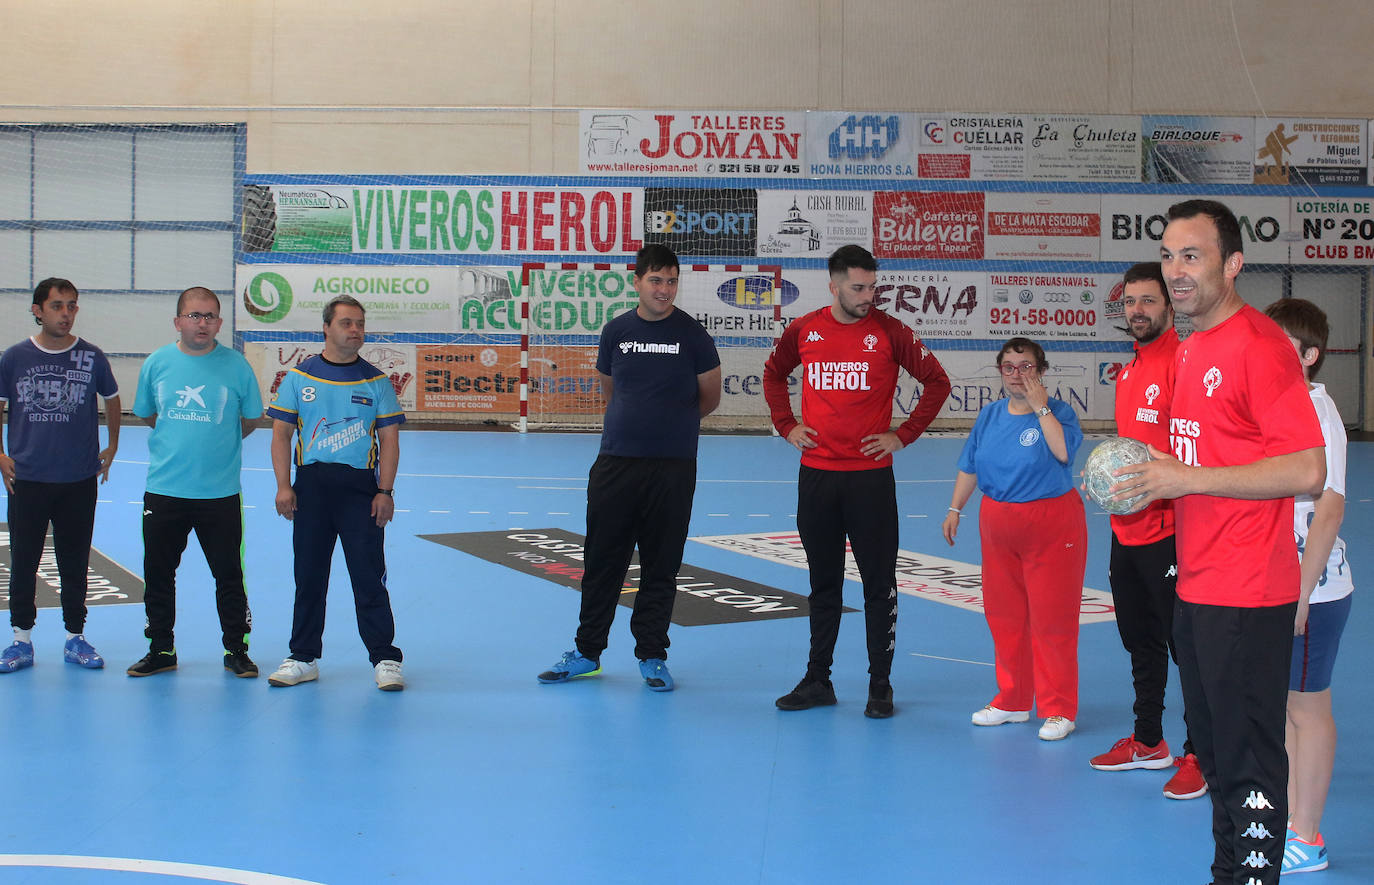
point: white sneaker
(991, 715)
(389, 676)
(1056, 728)
(294, 672)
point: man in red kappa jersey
(1245, 440)
(1144, 562)
(851, 355)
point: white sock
(23, 635)
(71, 636)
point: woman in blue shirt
(1034, 538)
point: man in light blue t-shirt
(201, 399)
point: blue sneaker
(79, 651)
(656, 675)
(16, 657)
(571, 666)
(1303, 857)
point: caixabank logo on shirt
(703, 596)
(107, 582)
(702, 221)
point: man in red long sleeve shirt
(851, 356)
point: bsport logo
(268, 297)
(756, 293)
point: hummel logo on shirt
(813, 335)
(641, 347)
(1257, 831)
(1256, 800)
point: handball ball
(1119, 451)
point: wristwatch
(390, 493)
(1042, 411)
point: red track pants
(1034, 554)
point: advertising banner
(397, 299)
(981, 147)
(1043, 226)
(1073, 377)
(869, 145)
(813, 223)
(467, 378)
(443, 220)
(1333, 230)
(1311, 152)
(1090, 147)
(279, 357)
(564, 380)
(702, 221)
(706, 144)
(934, 225)
(1198, 150)
(1049, 306)
(935, 303)
(414, 298)
(740, 303)
(703, 596)
(1133, 225)
(919, 574)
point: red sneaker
(1129, 753)
(1187, 782)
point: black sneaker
(238, 663)
(879, 701)
(154, 662)
(810, 692)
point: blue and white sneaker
(16, 657)
(656, 675)
(79, 651)
(571, 666)
(1303, 857)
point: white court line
(156, 867)
(558, 513)
(917, 654)
(555, 488)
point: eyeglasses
(1019, 369)
(199, 317)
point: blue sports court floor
(476, 773)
